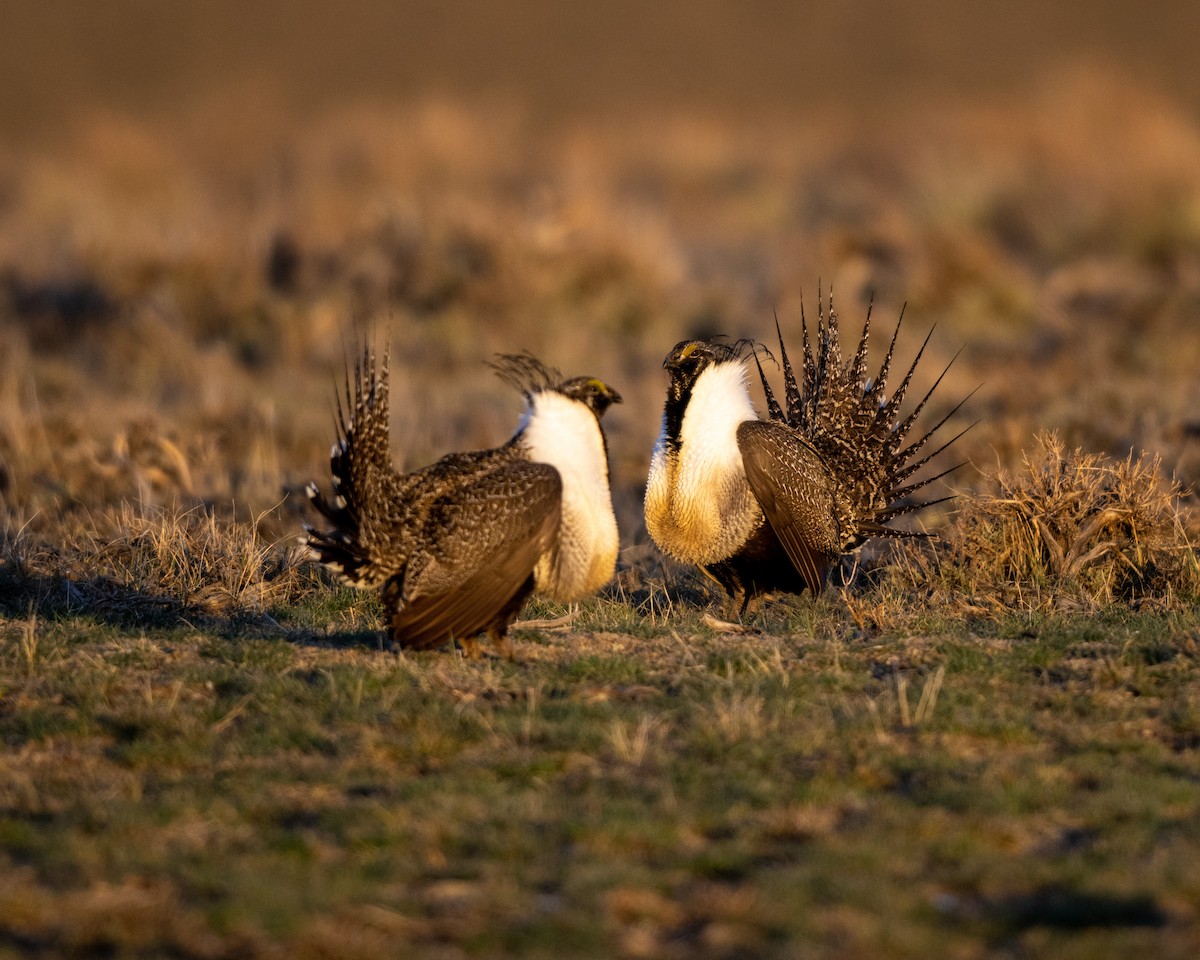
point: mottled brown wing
(482, 540)
(794, 489)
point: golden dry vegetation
(177, 309)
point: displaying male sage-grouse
(458, 546)
(769, 505)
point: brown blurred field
(200, 210)
(205, 207)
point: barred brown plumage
(457, 547)
(764, 505)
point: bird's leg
(732, 611)
(736, 606)
(752, 604)
(500, 640)
(498, 631)
(470, 648)
(746, 597)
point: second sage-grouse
(459, 545)
(769, 505)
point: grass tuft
(1071, 531)
(144, 561)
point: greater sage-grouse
(769, 505)
(459, 545)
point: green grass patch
(740, 794)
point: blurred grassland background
(203, 205)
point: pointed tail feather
(902, 474)
(366, 487)
(901, 492)
(774, 411)
(859, 369)
(879, 388)
(901, 430)
(883, 516)
(791, 389)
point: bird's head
(690, 358)
(597, 395)
(534, 379)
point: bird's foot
(502, 644)
(470, 648)
(724, 626)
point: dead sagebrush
(141, 559)
(201, 561)
(1071, 529)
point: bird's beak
(610, 395)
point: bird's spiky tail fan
(367, 491)
(849, 419)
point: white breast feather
(566, 434)
(699, 507)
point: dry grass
(145, 355)
(1071, 530)
(157, 563)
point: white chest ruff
(699, 507)
(565, 434)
